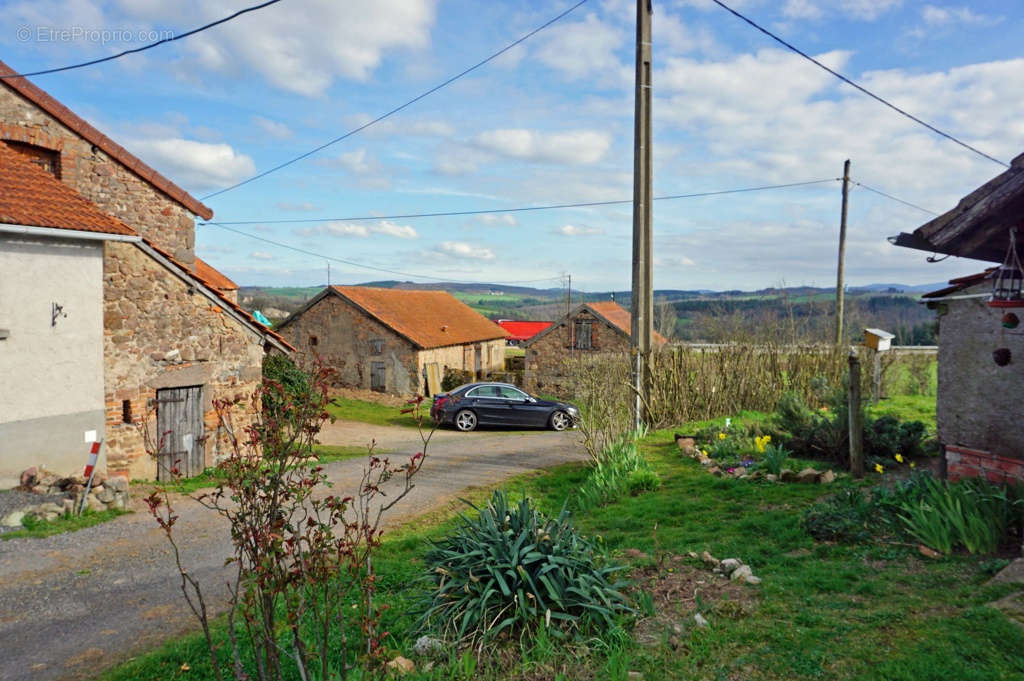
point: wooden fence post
(856, 418)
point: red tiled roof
(520, 331)
(63, 114)
(430, 319)
(31, 196)
(215, 277)
(213, 289)
(620, 317)
(960, 283)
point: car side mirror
(531, 399)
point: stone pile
(64, 495)
(733, 568)
(688, 447)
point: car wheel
(465, 421)
(560, 421)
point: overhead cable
(398, 108)
(894, 198)
(859, 87)
(148, 46)
(522, 209)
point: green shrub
(846, 516)
(611, 475)
(643, 480)
(774, 457)
(511, 570)
(887, 436)
(453, 378)
(297, 384)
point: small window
(583, 339)
(126, 411)
(314, 341)
(377, 346)
(47, 159)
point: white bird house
(878, 340)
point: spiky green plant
(511, 570)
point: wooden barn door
(378, 376)
(179, 419)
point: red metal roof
(33, 197)
(520, 331)
(214, 276)
(66, 116)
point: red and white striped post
(90, 471)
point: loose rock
(13, 519)
(827, 478)
(426, 646)
(635, 676)
(709, 559)
(729, 565)
(752, 579)
(699, 619)
(29, 477)
(402, 665)
(771, 477)
(787, 475)
(808, 475)
(742, 572)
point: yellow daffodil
(704, 452)
(721, 436)
(767, 438)
(912, 464)
(898, 457)
(878, 468)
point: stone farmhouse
(109, 325)
(981, 341)
(394, 340)
(590, 328)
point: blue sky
(549, 122)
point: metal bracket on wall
(56, 312)
(5, 334)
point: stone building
(171, 342)
(981, 347)
(590, 329)
(393, 340)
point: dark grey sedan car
(500, 404)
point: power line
(352, 263)
(894, 198)
(144, 47)
(395, 110)
(558, 206)
(864, 90)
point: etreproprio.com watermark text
(102, 36)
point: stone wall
(161, 333)
(102, 180)
(345, 342)
(546, 355)
(341, 335)
(979, 408)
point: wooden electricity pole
(841, 267)
(642, 300)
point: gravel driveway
(75, 604)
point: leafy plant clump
(774, 458)
(511, 570)
(621, 468)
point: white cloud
(370, 172)
(585, 48)
(572, 147)
(801, 9)
(301, 206)
(944, 16)
(867, 10)
(578, 230)
(500, 219)
(304, 47)
(461, 249)
(360, 231)
(355, 161)
(198, 166)
(261, 255)
(273, 128)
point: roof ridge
(78, 125)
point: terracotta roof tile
(31, 196)
(430, 319)
(63, 114)
(620, 317)
(215, 277)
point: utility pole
(642, 299)
(841, 267)
(568, 311)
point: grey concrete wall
(55, 443)
(50, 374)
(980, 404)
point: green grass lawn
(908, 408)
(824, 611)
(36, 528)
(377, 414)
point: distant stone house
(391, 340)
(981, 348)
(591, 328)
(84, 221)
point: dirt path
(73, 605)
